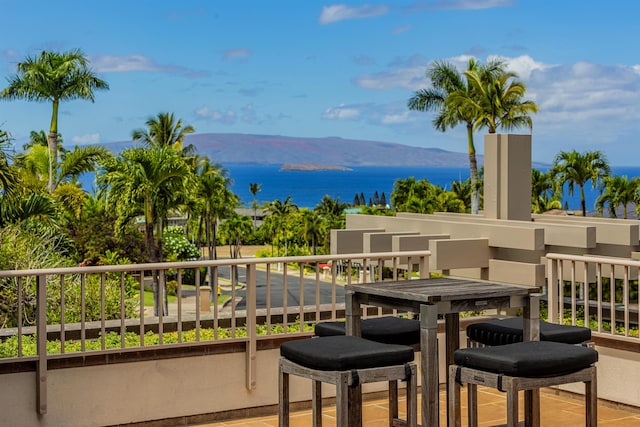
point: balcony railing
(67, 312)
(600, 292)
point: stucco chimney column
(507, 176)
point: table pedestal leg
(452, 334)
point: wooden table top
(434, 290)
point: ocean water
(307, 188)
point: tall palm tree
(618, 191)
(254, 188)
(446, 81)
(280, 210)
(236, 229)
(312, 228)
(216, 201)
(574, 168)
(495, 100)
(165, 130)
(54, 77)
(543, 192)
(149, 182)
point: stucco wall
(146, 391)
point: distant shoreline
(312, 167)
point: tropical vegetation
(161, 201)
(485, 95)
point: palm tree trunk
(583, 203)
(473, 171)
(52, 142)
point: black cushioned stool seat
(521, 366)
(510, 330)
(386, 329)
(345, 361)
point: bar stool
(345, 361)
(384, 329)
(510, 330)
(521, 366)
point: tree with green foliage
(254, 188)
(619, 191)
(574, 168)
(149, 182)
(279, 210)
(236, 229)
(313, 229)
(214, 202)
(543, 192)
(446, 82)
(495, 100)
(54, 77)
(165, 130)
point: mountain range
(234, 148)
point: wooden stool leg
(472, 402)
(532, 408)
(316, 403)
(591, 400)
(283, 400)
(453, 403)
(393, 402)
(512, 406)
(412, 398)
(343, 401)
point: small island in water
(312, 167)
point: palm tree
(618, 191)
(496, 100)
(254, 188)
(149, 182)
(9, 175)
(36, 162)
(462, 189)
(215, 201)
(573, 168)
(165, 130)
(330, 207)
(280, 210)
(54, 77)
(40, 138)
(543, 192)
(312, 228)
(446, 80)
(236, 229)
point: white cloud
(91, 138)
(461, 4)
(231, 54)
(228, 117)
(394, 119)
(341, 112)
(341, 12)
(119, 64)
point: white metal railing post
(41, 327)
(251, 349)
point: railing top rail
(594, 259)
(209, 263)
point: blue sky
(315, 68)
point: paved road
(277, 290)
